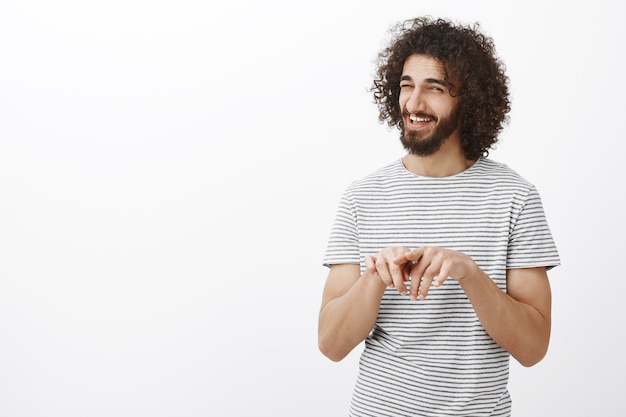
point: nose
(414, 102)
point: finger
(413, 255)
(401, 259)
(426, 281)
(383, 271)
(442, 276)
(417, 272)
(414, 288)
(399, 276)
(370, 263)
(423, 272)
(406, 270)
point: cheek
(402, 100)
(445, 107)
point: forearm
(518, 327)
(347, 320)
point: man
(438, 260)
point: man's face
(429, 112)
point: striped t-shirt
(432, 357)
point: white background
(169, 172)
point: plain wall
(169, 172)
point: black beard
(425, 146)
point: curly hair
(468, 58)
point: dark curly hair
(468, 58)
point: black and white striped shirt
(433, 357)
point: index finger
(399, 274)
(413, 255)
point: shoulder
(496, 169)
(499, 174)
(381, 178)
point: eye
(435, 88)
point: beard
(416, 143)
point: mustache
(420, 114)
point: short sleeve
(343, 243)
(530, 241)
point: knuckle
(430, 272)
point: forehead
(423, 66)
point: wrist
(373, 282)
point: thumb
(370, 263)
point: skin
(518, 320)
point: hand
(433, 265)
(391, 273)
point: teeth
(419, 119)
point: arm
(350, 304)
(518, 320)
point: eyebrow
(428, 81)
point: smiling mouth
(420, 118)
